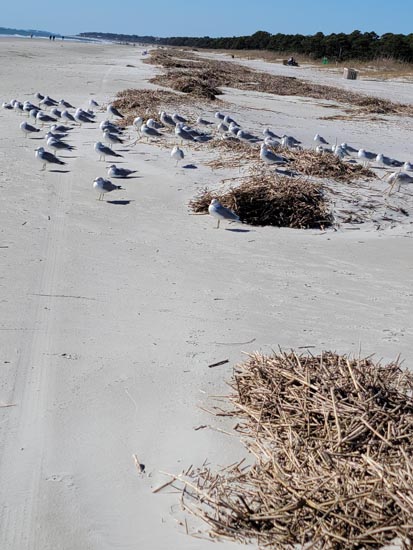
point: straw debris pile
(265, 199)
(332, 443)
(186, 67)
(325, 165)
(147, 103)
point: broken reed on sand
(331, 444)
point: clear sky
(209, 17)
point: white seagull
(115, 172)
(111, 109)
(219, 212)
(269, 157)
(28, 128)
(46, 158)
(103, 186)
(177, 154)
(104, 151)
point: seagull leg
(44, 167)
(217, 227)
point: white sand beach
(112, 310)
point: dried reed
(264, 198)
(331, 444)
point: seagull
(386, 161)
(167, 120)
(408, 166)
(319, 140)
(104, 151)
(362, 155)
(43, 117)
(55, 135)
(348, 148)
(289, 141)
(55, 112)
(68, 116)
(108, 125)
(103, 186)
(38, 95)
(149, 132)
(65, 104)
(151, 123)
(58, 145)
(6, 105)
(400, 178)
(60, 128)
(234, 129)
(246, 136)
(82, 116)
(93, 104)
(219, 115)
(182, 133)
(137, 122)
(110, 138)
(46, 158)
(17, 106)
(47, 102)
(222, 128)
(339, 152)
(178, 118)
(111, 109)
(269, 157)
(270, 134)
(177, 154)
(115, 172)
(221, 213)
(272, 142)
(228, 120)
(202, 122)
(28, 128)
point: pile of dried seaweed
(264, 198)
(184, 68)
(331, 440)
(325, 165)
(147, 103)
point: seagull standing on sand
(219, 212)
(167, 120)
(182, 133)
(112, 139)
(149, 132)
(111, 110)
(46, 158)
(319, 140)
(68, 116)
(103, 186)
(177, 154)
(269, 157)
(28, 128)
(104, 151)
(58, 145)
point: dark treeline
(356, 45)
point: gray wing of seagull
(68, 115)
(273, 158)
(84, 118)
(115, 112)
(113, 137)
(60, 145)
(123, 172)
(246, 136)
(107, 185)
(29, 128)
(151, 132)
(203, 122)
(47, 118)
(183, 134)
(49, 157)
(224, 212)
(66, 104)
(107, 151)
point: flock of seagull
(60, 117)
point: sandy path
(111, 314)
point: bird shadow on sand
(238, 230)
(59, 171)
(190, 167)
(121, 203)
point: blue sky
(209, 17)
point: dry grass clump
(325, 165)
(331, 439)
(147, 103)
(232, 153)
(266, 199)
(217, 73)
